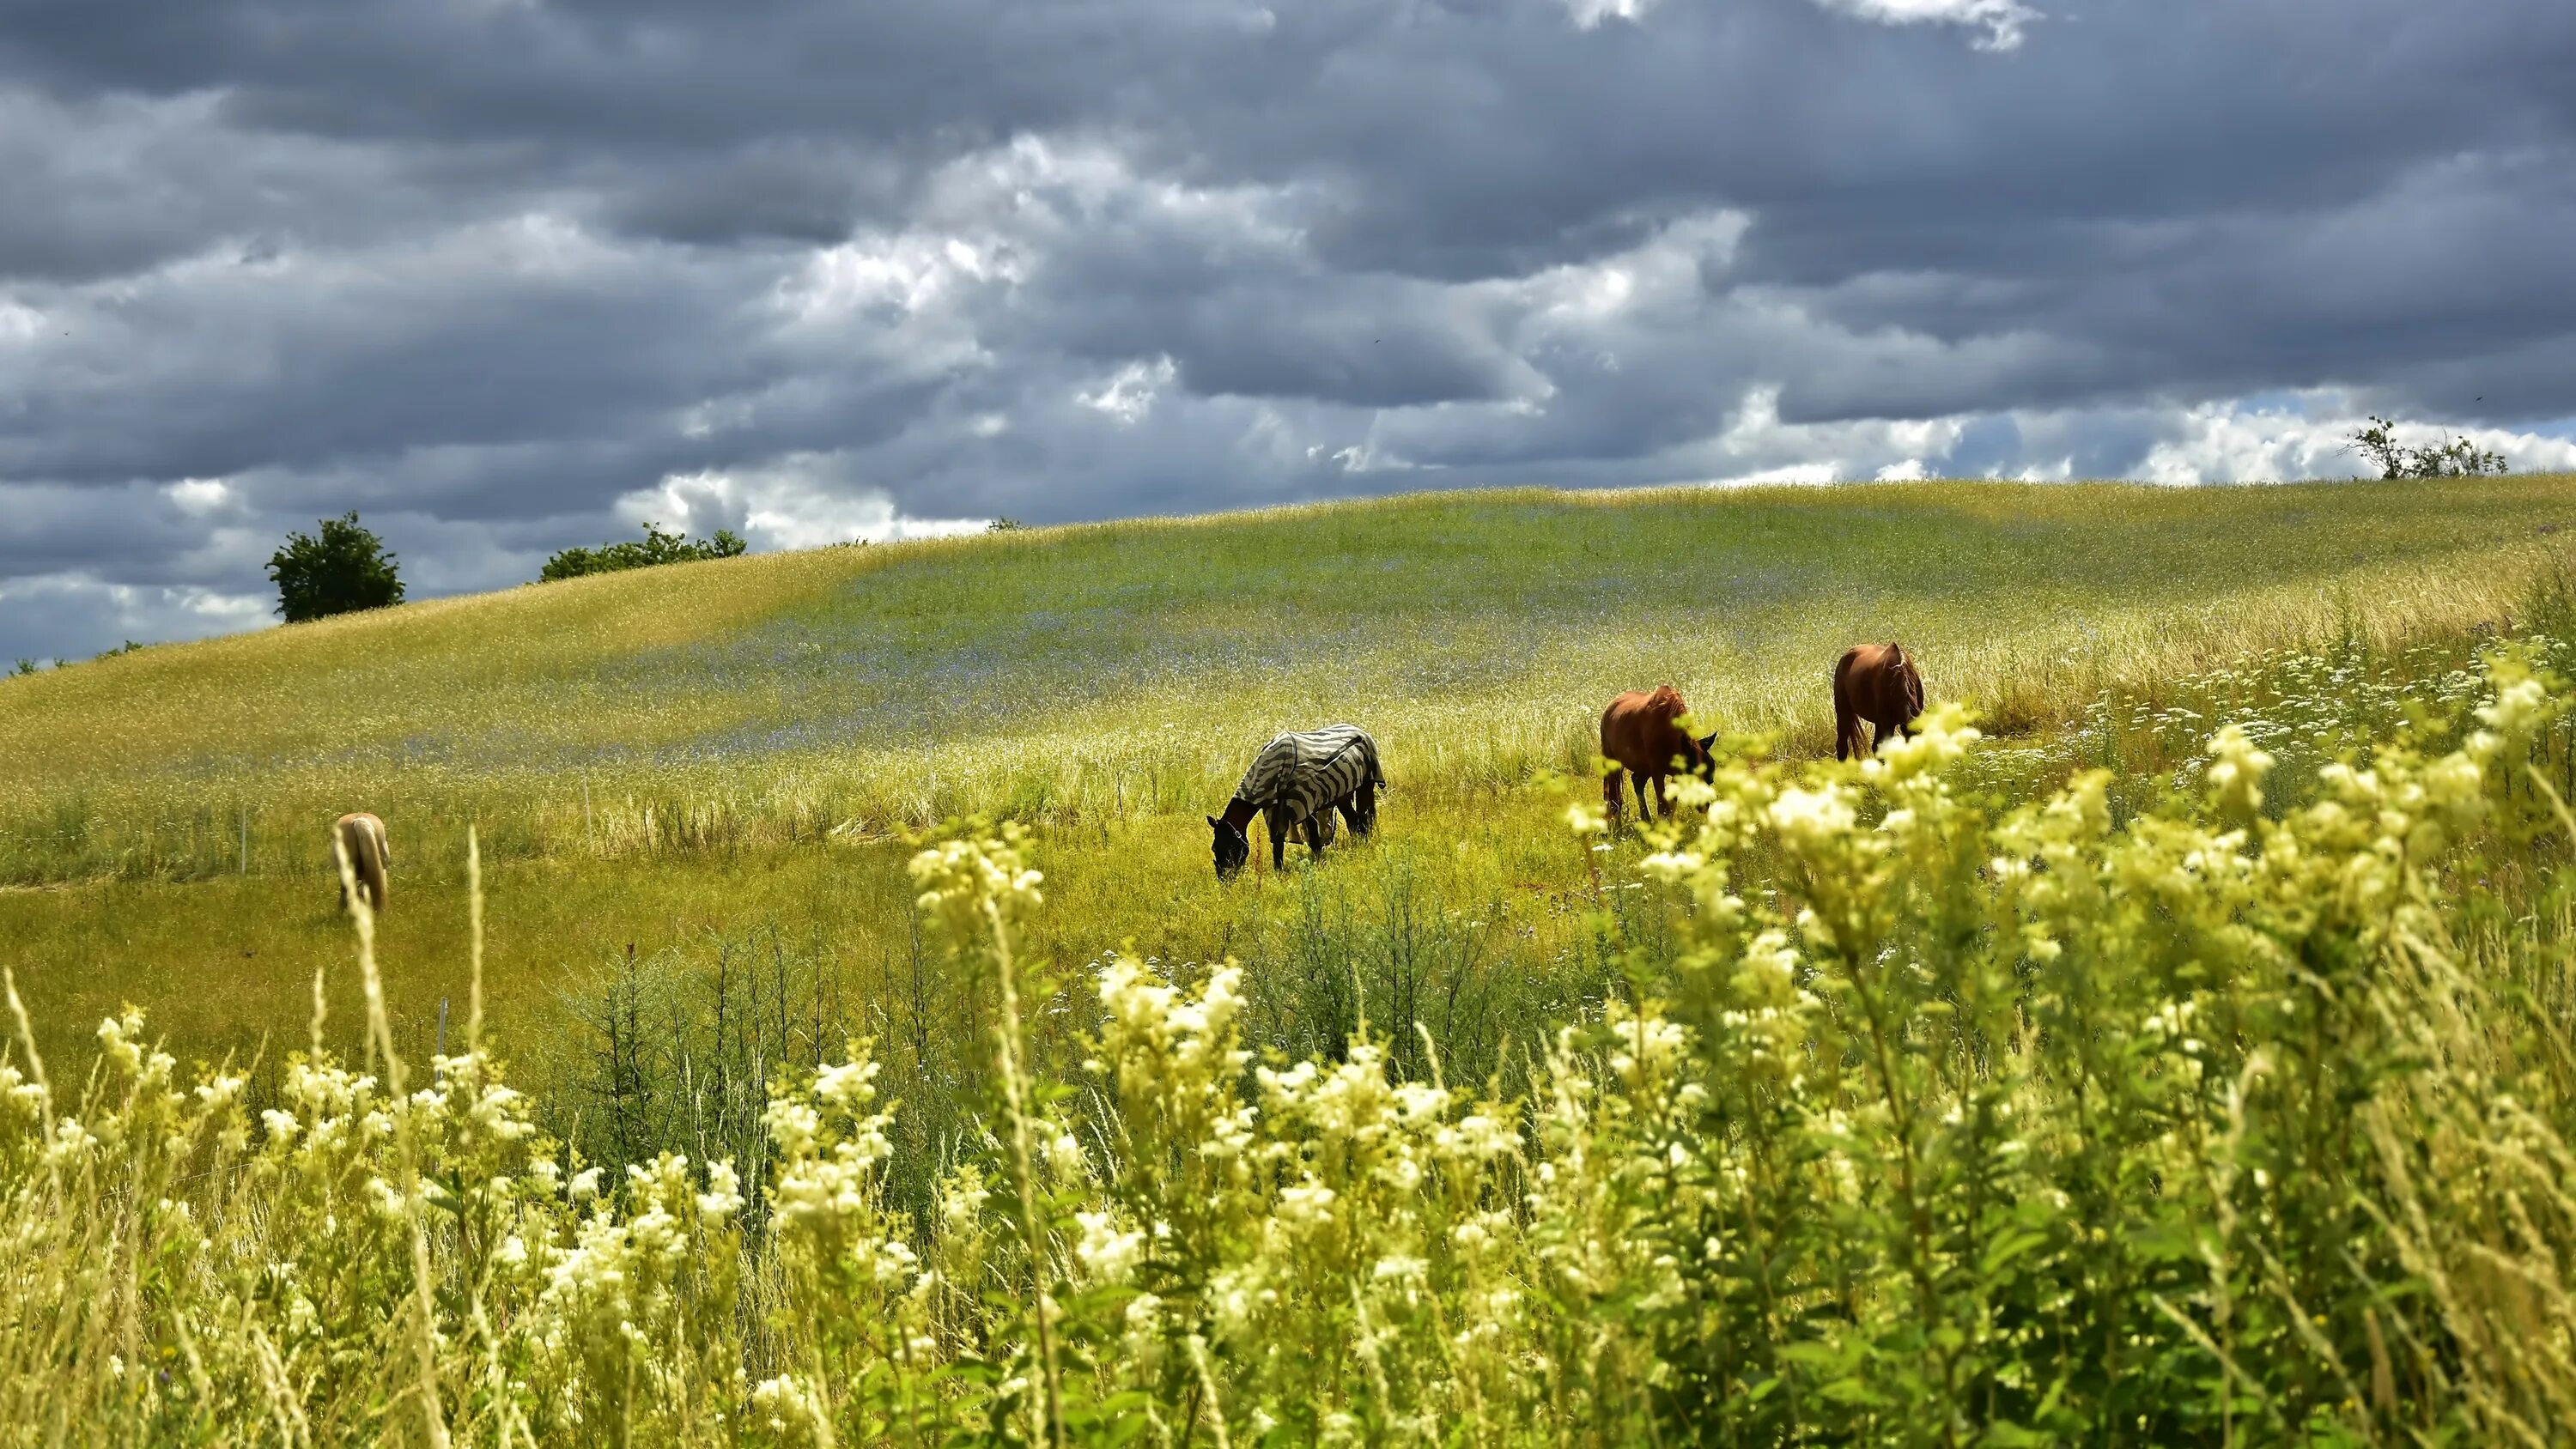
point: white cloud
(804, 501)
(19, 322)
(1590, 13)
(2234, 442)
(200, 496)
(1810, 473)
(2001, 20)
(1129, 395)
(1757, 447)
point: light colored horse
(361, 837)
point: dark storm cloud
(511, 274)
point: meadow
(705, 762)
(2194, 1073)
(2176, 1056)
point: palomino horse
(1875, 684)
(1641, 734)
(361, 837)
(1296, 783)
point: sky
(510, 275)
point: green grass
(2223, 1126)
(2218, 1092)
(669, 757)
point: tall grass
(1919, 1106)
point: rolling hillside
(2011, 1078)
(655, 759)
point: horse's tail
(1846, 716)
(372, 872)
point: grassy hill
(657, 759)
(2187, 1065)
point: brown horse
(361, 837)
(1642, 735)
(1875, 684)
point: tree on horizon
(342, 569)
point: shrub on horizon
(656, 547)
(2458, 458)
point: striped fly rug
(1296, 777)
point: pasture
(673, 764)
(2182, 1059)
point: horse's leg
(1278, 844)
(1614, 788)
(1361, 810)
(1637, 782)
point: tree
(2458, 458)
(657, 547)
(343, 569)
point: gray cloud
(511, 274)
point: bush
(342, 569)
(1930, 1120)
(2458, 458)
(656, 547)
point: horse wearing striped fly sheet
(1296, 784)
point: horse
(361, 837)
(1875, 684)
(1296, 784)
(1641, 734)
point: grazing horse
(1876, 684)
(1296, 783)
(361, 837)
(1641, 734)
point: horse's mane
(1666, 697)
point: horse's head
(1232, 848)
(1911, 679)
(1703, 752)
